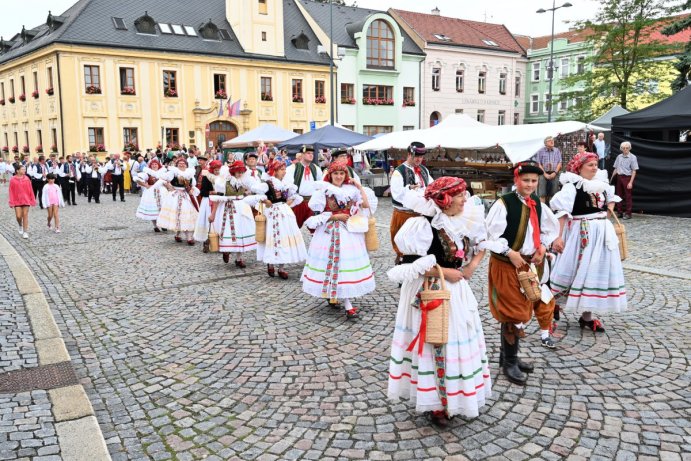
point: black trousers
(37, 186)
(94, 189)
(68, 189)
(82, 185)
(119, 184)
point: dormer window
(489, 42)
(53, 22)
(301, 42)
(380, 45)
(5, 45)
(27, 35)
(145, 24)
(209, 31)
(442, 37)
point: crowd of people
(551, 247)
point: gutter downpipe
(62, 118)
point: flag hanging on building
(220, 107)
(228, 104)
(235, 108)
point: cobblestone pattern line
(254, 369)
(27, 428)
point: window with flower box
(296, 90)
(49, 75)
(371, 130)
(95, 138)
(408, 96)
(35, 92)
(265, 89)
(23, 85)
(220, 89)
(92, 79)
(39, 137)
(319, 93)
(347, 93)
(129, 137)
(377, 95)
(127, 81)
(172, 137)
(170, 84)
(54, 139)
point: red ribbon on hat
(420, 338)
(534, 222)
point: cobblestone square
(184, 357)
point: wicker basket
(260, 221)
(530, 285)
(437, 319)
(371, 238)
(213, 242)
(621, 235)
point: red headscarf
(214, 165)
(238, 166)
(444, 189)
(338, 166)
(577, 162)
(274, 166)
(181, 160)
(154, 162)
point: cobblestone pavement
(184, 357)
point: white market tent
(604, 122)
(268, 133)
(520, 142)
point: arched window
(380, 45)
(434, 118)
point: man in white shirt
(304, 175)
(68, 176)
(116, 166)
(94, 172)
(37, 172)
(601, 148)
(410, 175)
(192, 161)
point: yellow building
(109, 74)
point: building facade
(470, 67)
(377, 80)
(100, 78)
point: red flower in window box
(221, 94)
(2, 102)
(128, 90)
(131, 147)
(408, 102)
(267, 97)
(54, 148)
(15, 149)
(173, 146)
(26, 149)
(5, 149)
(170, 93)
(320, 99)
(39, 149)
(50, 91)
(91, 89)
(22, 97)
(97, 148)
(297, 99)
(35, 94)
(347, 100)
(11, 99)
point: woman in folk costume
(587, 275)
(177, 210)
(519, 230)
(284, 243)
(454, 378)
(207, 188)
(231, 215)
(151, 183)
(338, 266)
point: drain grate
(31, 379)
(113, 228)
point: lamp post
(331, 59)
(550, 68)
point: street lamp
(550, 69)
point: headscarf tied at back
(338, 166)
(238, 166)
(274, 166)
(214, 165)
(577, 162)
(444, 189)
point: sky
(518, 15)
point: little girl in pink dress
(52, 200)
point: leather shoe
(226, 257)
(240, 263)
(283, 274)
(270, 270)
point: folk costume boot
(509, 353)
(525, 367)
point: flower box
(348, 101)
(11, 99)
(15, 149)
(221, 94)
(97, 148)
(26, 149)
(128, 90)
(22, 97)
(377, 102)
(50, 91)
(39, 149)
(173, 146)
(131, 147)
(170, 93)
(54, 148)
(298, 99)
(35, 94)
(267, 97)
(5, 149)
(93, 90)
(320, 100)
(408, 102)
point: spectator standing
(21, 198)
(625, 169)
(601, 149)
(549, 160)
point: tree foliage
(621, 36)
(683, 65)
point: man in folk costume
(341, 155)
(520, 228)
(198, 170)
(253, 175)
(303, 174)
(411, 174)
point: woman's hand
(267, 203)
(339, 217)
(516, 259)
(212, 217)
(468, 271)
(558, 245)
(452, 275)
(539, 255)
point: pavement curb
(79, 435)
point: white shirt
(496, 225)
(307, 184)
(38, 171)
(93, 172)
(601, 148)
(116, 170)
(398, 190)
(192, 162)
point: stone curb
(79, 434)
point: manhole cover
(113, 228)
(45, 377)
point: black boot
(526, 367)
(509, 353)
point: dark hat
(202, 157)
(306, 148)
(528, 167)
(417, 148)
(339, 151)
(251, 154)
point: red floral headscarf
(237, 166)
(214, 165)
(274, 166)
(338, 166)
(577, 162)
(444, 189)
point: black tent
(663, 183)
(327, 137)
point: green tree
(683, 65)
(621, 37)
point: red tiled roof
(573, 36)
(525, 41)
(462, 32)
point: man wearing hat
(304, 174)
(410, 175)
(519, 230)
(340, 154)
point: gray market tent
(268, 133)
(605, 120)
(327, 137)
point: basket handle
(441, 277)
(614, 215)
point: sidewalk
(44, 411)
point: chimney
(435, 11)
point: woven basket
(621, 235)
(371, 238)
(260, 221)
(530, 285)
(213, 242)
(438, 319)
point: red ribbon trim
(420, 338)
